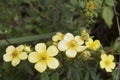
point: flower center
(72, 44)
(107, 63)
(15, 53)
(43, 57)
(91, 5)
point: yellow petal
(7, 57)
(79, 40)
(68, 37)
(108, 69)
(40, 47)
(52, 51)
(71, 53)
(15, 61)
(40, 66)
(27, 48)
(102, 65)
(111, 57)
(112, 65)
(23, 55)
(55, 38)
(20, 48)
(10, 49)
(81, 48)
(97, 42)
(62, 45)
(33, 57)
(52, 63)
(103, 56)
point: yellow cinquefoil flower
(91, 5)
(71, 45)
(14, 54)
(43, 58)
(107, 62)
(27, 48)
(58, 36)
(84, 35)
(93, 45)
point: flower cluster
(44, 55)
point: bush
(27, 26)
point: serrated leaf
(109, 2)
(44, 76)
(108, 15)
(55, 76)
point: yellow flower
(43, 57)
(84, 35)
(93, 45)
(14, 55)
(91, 5)
(86, 54)
(107, 62)
(27, 48)
(58, 36)
(71, 45)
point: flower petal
(103, 57)
(52, 51)
(81, 48)
(111, 57)
(108, 69)
(7, 57)
(15, 61)
(52, 63)
(68, 37)
(23, 55)
(79, 40)
(71, 53)
(55, 38)
(40, 47)
(40, 66)
(62, 45)
(10, 49)
(112, 65)
(102, 64)
(33, 57)
(20, 48)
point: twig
(31, 5)
(118, 25)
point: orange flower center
(72, 44)
(15, 53)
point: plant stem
(118, 26)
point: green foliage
(108, 15)
(44, 76)
(34, 21)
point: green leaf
(86, 76)
(44, 76)
(73, 74)
(108, 15)
(109, 2)
(74, 2)
(55, 76)
(26, 39)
